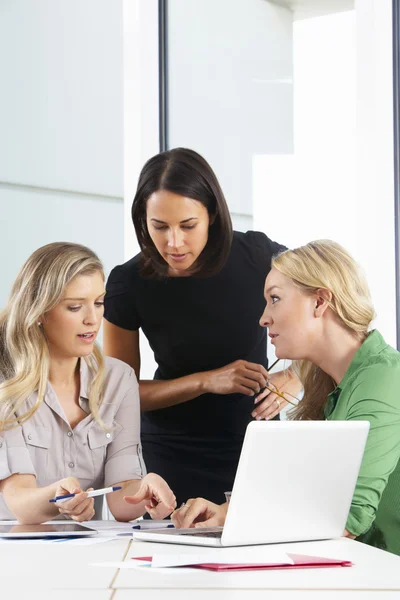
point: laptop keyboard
(207, 534)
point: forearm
(161, 394)
(31, 505)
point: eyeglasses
(276, 391)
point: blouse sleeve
(263, 249)
(119, 302)
(375, 400)
(14, 455)
(124, 460)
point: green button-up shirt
(370, 390)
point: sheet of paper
(109, 528)
(129, 564)
(248, 555)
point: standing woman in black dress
(196, 291)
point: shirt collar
(51, 398)
(373, 344)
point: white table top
(60, 565)
(51, 571)
(373, 569)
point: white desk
(373, 570)
(61, 570)
(60, 566)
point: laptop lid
(295, 481)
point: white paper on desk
(86, 541)
(110, 529)
(28, 542)
(129, 564)
(231, 556)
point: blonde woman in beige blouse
(69, 418)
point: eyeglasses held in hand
(276, 391)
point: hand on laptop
(198, 512)
(160, 499)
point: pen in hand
(91, 494)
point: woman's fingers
(253, 379)
(78, 507)
(189, 513)
(195, 511)
(155, 492)
(69, 506)
(159, 512)
(269, 407)
(86, 515)
(213, 522)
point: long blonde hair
(24, 353)
(326, 264)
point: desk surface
(373, 570)
(52, 571)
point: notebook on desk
(294, 482)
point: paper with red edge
(251, 555)
(292, 561)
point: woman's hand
(239, 377)
(80, 508)
(271, 404)
(198, 512)
(349, 535)
(160, 499)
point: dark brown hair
(184, 172)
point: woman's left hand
(270, 404)
(160, 499)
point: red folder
(301, 561)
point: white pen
(91, 494)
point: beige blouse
(47, 447)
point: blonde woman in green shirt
(318, 313)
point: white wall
(230, 88)
(338, 183)
(141, 105)
(61, 124)
(375, 161)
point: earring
(39, 324)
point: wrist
(202, 382)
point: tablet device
(45, 530)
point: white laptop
(294, 482)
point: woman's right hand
(198, 512)
(239, 377)
(80, 508)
